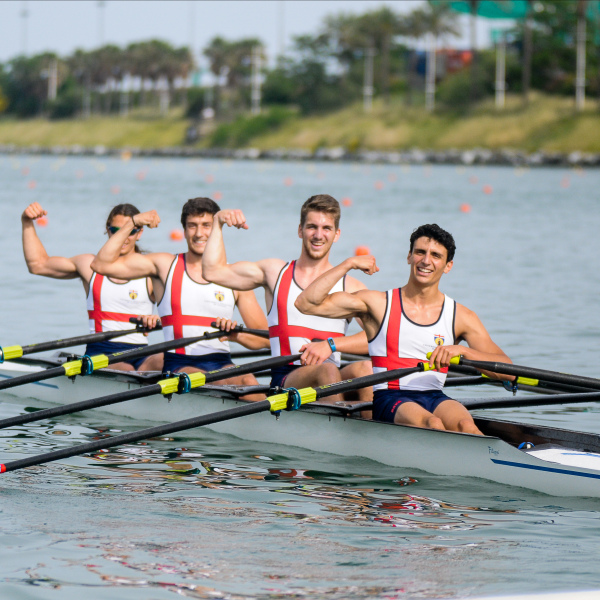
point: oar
(510, 402)
(11, 352)
(520, 371)
(87, 364)
(288, 400)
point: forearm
(214, 259)
(33, 250)
(252, 342)
(316, 293)
(110, 252)
(352, 344)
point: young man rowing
(404, 324)
(110, 302)
(290, 331)
(188, 303)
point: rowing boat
(561, 462)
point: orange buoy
(362, 251)
(379, 185)
(392, 177)
(346, 202)
(115, 189)
(25, 170)
(42, 221)
(288, 181)
(176, 235)
(487, 189)
(217, 196)
(209, 178)
(32, 184)
(79, 174)
(565, 182)
(140, 175)
(473, 179)
(465, 208)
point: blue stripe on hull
(549, 469)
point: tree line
(351, 57)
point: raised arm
(109, 261)
(316, 299)
(243, 275)
(36, 257)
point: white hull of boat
(323, 430)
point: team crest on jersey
(133, 294)
(438, 339)
(220, 296)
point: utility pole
(501, 70)
(368, 81)
(281, 28)
(580, 72)
(24, 15)
(255, 94)
(101, 4)
(430, 74)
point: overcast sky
(64, 25)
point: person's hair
(436, 233)
(124, 210)
(323, 203)
(198, 206)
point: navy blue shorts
(278, 374)
(204, 362)
(112, 347)
(387, 402)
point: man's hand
(227, 325)
(440, 357)
(232, 218)
(32, 212)
(146, 219)
(363, 263)
(315, 353)
(148, 321)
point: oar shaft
(251, 367)
(550, 399)
(32, 377)
(65, 409)
(136, 436)
(551, 376)
(79, 340)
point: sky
(62, 26)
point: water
(204, 515)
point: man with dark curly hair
(403, 325)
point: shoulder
(270, 265)
(82, 263)
(466, 318)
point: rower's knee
(328, 373)
(248, 380)
(467, 426)
(434, 422)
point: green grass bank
(547, 123)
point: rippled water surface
(205, 515)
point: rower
(111, 303)
(188, 304)
(290, 331)
(405, 324)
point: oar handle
(243, 329)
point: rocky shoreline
(476, 156)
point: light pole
(24, 14)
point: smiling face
(197, 229)
(428, 261)
(318, 234)
(129, 245)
